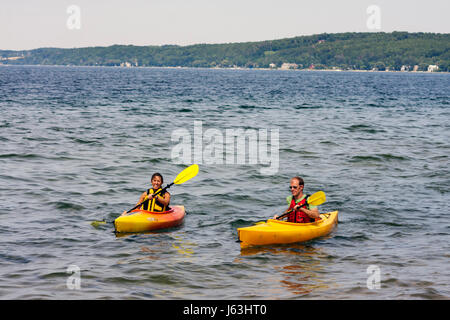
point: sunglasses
(293, 187)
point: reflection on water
(155, 232)
(178, 242)
(182, 246)
(302, 278)
(301, 272)
(290, 249)
(151, 254)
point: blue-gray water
(80, 144)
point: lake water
(79, 144)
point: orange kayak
(141, 220)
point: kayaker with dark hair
(301, 213)
(158, 203)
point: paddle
(182, 177)
(185, 175)
(315, 199)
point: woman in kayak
(158, 203)
(302, 212)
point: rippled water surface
(80, 144)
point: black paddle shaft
(286, 213)
(143, 202)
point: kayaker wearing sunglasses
(302, 213)
(158, 203)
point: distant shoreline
(352, 51)
(221, 68)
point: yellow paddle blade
(186, 174)
(96, 224)
(317, 198)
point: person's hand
(124, 213)
(275, 216)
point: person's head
(157, 180)
(297, 185)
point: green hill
(347, 51)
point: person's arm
(141, 199)
(288, 200)
(143, 196)
(313, 213)
(276, 216)
(164, 200)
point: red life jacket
(297, 215)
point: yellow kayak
(141, 220)
(277, 231)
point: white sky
(43, 23)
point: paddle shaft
(315, 199)
(154, 194)
(287, 212)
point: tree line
(346, 51)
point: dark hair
(300, 181)
(158, 175)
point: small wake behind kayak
(278, 232)
(141, 220)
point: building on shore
(12, 58)
(405, 68)
(287, 66)
(433, 68)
